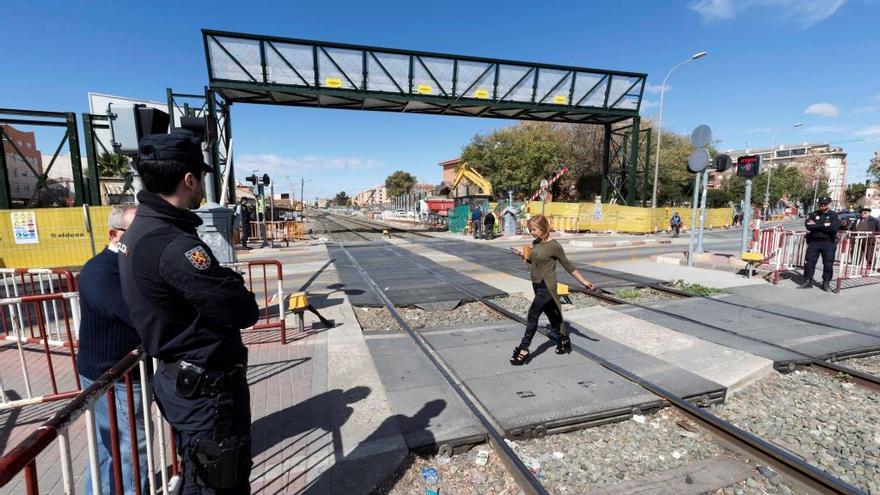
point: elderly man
(106, 335)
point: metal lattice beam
(281, 71)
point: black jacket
(184, 305)
(822, 226)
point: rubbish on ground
(482, 458)
(558, 456)
(638, 418)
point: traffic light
(265, 179)
(748, 166)
(252, 179)
(723, 162)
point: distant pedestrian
(476, 221)
(243, 218)
(542, 257)
(106, 335)
(489, 225)
(822, 226)
(675, 224)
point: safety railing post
(66, 462)
(92, 439)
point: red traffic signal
(748, 166)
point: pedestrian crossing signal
(748, 166)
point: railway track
(860, 378)
(801, 473)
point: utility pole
(302, 198)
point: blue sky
(771, 64)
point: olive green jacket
(543, 264)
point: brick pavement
(301, 428)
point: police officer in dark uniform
(822, 226)
(188, 311)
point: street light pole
(770, 176)
(660, 125)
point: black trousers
(245, 232)
(543, 303)
(814, 249)
(195, 418)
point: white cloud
(646, 104)
(759, 130)
(876, 99)
(871, 133)
(823, 109)
(656, 88)
(803, 12)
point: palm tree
(112, 165)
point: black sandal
(563, 345)
(520, 356)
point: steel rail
(865, 380)
(524, 478)
(805, 475)
(671, 290)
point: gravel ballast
(585, 460)
(469, 313)
(832, 423)
(869, 365)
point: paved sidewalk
(321, 421)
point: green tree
(399, 182)
(874, 167)
(855, 194)
(341, 199)
(519, 156)
(113, 165)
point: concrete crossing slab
(416, 389)
(406, 284)
(813, 339)
(727, 366)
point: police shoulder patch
(199, 258)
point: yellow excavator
(465, 171)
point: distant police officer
(822, 226)
(188, 311)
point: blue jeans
(105, 456)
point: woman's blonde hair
(543, 225)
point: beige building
(22, 180)
(832, 158)
(374, 196)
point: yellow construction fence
(50, 237)
(598, 217)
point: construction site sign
(24, 227)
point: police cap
(824, 200)
(180, 145)
(865, 209)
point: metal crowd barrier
(277, 231)
(259, 275)
(24, 456)
(19, 282)
(41, 321)
(856, 255)
(857, 258)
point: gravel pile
(577, 462)
(830, 421)
(469, 313)
(868, 365)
